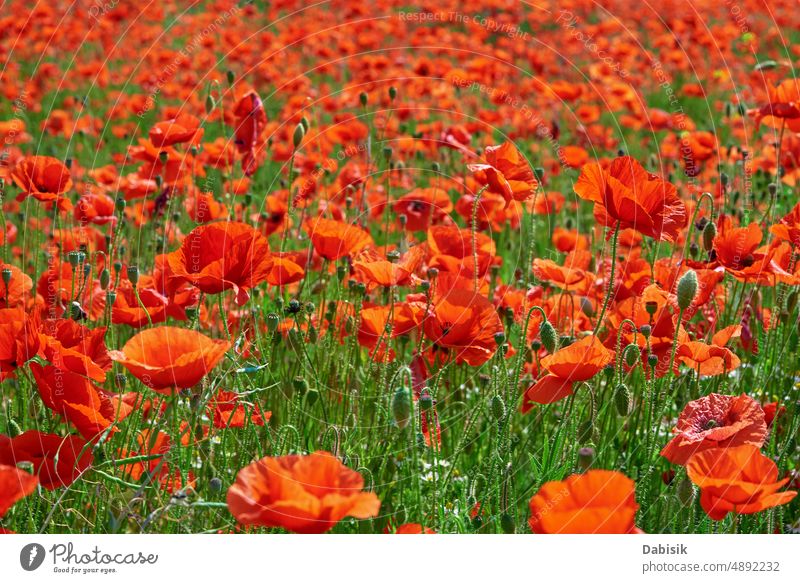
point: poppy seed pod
(650, 308)
(105, 279)
(215, 484)
(311, 397)
(687, 289)
(401, 406)
(231, 77)
(652, 360)
(362, 98)
(111, 297)
(133, 274)
(6, 277)
(622, 399)
(507, 523)
(392, 92)
(272, 322)
(300, 385)
(645, 330)
(685, 492)
(549, 336)
(709, 233)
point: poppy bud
(105, 279)
(536, 346)
(709, 233)
(231, 77)
(694, 250)
(435, 167)
(507, 523)
(311, 397)
(401, 406)
(215, 484)
(687, 289)
(210, 105)
(6, 277)
(111, 297)
(652, 360)
(585, 458)
(500, 338)
(685, 492)
(13, 428)
(645, 330)
(586, 307)
(538, 172)
(424, 285)
(622, 399)
(425, 400)
(631, 354)
(723, 179)
(163, 156)
(300, 385)
(362, 97)
(586, 431)
(392, 92)
(498, 407)
(299, 134)
(313, 335)
(293, 307)
(387, 153)
(549, 336)
(133, 274)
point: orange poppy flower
(597, 502)
(250, 122)
(505, 172)
(373, 269)
(222, 256)
(451, 250)
(738, 250)
(716, 421)
(466, 324)
(44, 178)
(627, 195)
(572, 276)
(307, 494)
(423, 207)
(57, 461)
(15, 484)
(149, 308)
(168, 358)
(286, 267)
(788, 228)
(185, 128)
(228, 409)
(783, 106)
(736, 479)
(707, 359)
(16, 293)
(334, 239)
(577, 362)
(89, 408)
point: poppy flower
(577, 362)
(168, 358)
(15, 484)
(150, 307)
(627, 195)
(739, 251)
(57, 461)
(44, 178)
(286, 267)
(250, 122)
(17, 292)
(736, 479)
(505, 172)
(228, 409)
(597, 502)
(783, 106)
(710, 359)
(716, 421)
(155, 445)
(788, 228)
(375, 270)
(185, 128)
(464, 323)
(423, 207)
(451, 250)
(91, 409)
(222, 256)
(307, 494)
(334, 239)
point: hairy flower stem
(610, 286)
(474, 230)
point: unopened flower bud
(401, 406)
(549, 336)
(622, 399)
(709, 233)
(498, 407)
(687, 289)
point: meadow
(350, 267)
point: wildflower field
(377, 267)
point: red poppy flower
(788, 228)
(15, 484)
(738, 250)
(373, 269)
(335, 239)
(44, 178)
(716, 421)
(91, 409)
(423, 207)
(627, 195)
(185, 128)
(577, 362)
(465, 323)
(17, 292)
(57, 461)
(597, 502)
(228, 409)
(307, 494)
(286, 267)
(505, 172)
(250, 122)
(736, 479)
(222, 256)
(168, 358)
